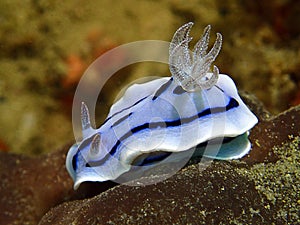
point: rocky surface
(261, 188)
(217, 195)
(30, 186)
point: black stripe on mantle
(210, 111)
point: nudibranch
(192, 109)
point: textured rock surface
(219, 194)
(30, 186)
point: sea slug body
(162, 119)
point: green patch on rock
(280, 182)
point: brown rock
(273, 132)
(216, 195)
(31, 186)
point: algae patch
(280, 182)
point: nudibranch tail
(192, 74)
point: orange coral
(76, 67)
(296, 100)
(3, 146)
(98, 44)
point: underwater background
(45, 47)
